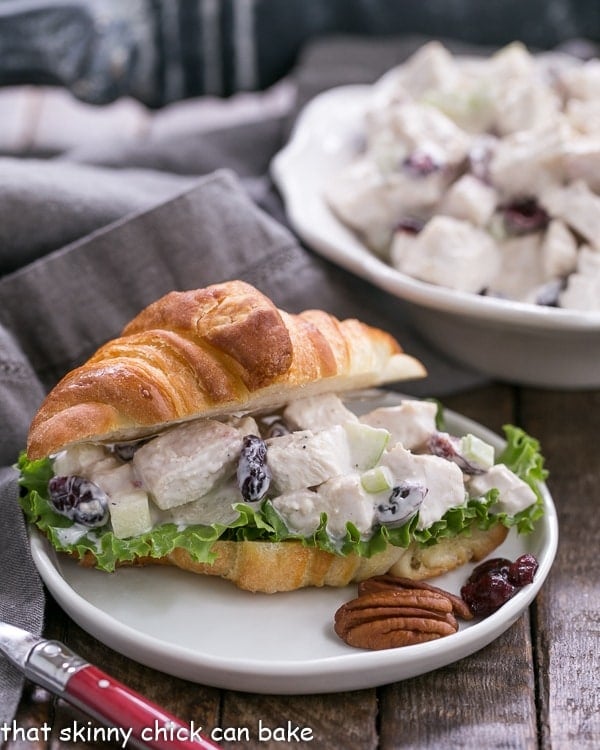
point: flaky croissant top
(222, 349)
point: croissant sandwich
(227, 437)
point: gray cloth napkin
(84, 293)
(21, 594)
(44, 204)
(84, 246)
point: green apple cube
(78, 458)
(366, 444)
(377, 479)
(477, 451)
(130, 513)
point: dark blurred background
(160, 51)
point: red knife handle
(116, 705)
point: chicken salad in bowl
(511, 290)
(482, 175)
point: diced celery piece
(477, 451)
(366, 444)
(377, 479)
(130, 514)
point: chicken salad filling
(481, 174)
(313, 471)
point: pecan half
(392, 618)
(392, 583)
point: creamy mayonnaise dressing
(379, 468)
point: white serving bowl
(511, 341)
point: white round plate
(509, 340)
(212, 633)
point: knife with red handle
(53, 666)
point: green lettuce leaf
(523, 456)
(261, 522)
(107, 549)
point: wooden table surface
(536, 686)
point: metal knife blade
(16, 643)
(47, 663)
(58, 669)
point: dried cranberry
(404, 501)
(126, 451)
(448, 446)
(522, 217)
(493, 582)
(409, 225)
(420, 164)
(548, 294)
(498, 565)
(487, 593)
(79, 499)
(523, 570)
(277, 428)
(253, 473)
(443, 445)
(480, 157)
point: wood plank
(334, 721)
(491, 405)
(567, 615)
(33, 717)
(185, 699)
(486, 700)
